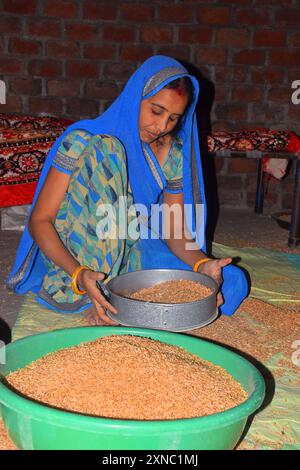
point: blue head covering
(121, 121)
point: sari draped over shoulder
(121, 122)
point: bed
(272, 149)
(26, 140)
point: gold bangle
(198, 263)
(74, 284)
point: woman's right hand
(97, 314)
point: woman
(143, 150)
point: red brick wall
(72, 57)
(237, 180)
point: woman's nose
(162, 124)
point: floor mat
(266, 332)
(275, 276)
(269, 337)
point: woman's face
(160, 113)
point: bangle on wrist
(74, 277)
(198, 263)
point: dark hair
(186, 84)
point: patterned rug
(265, 330)
(24, 144)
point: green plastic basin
(35, 426)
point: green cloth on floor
(275, 276)
(278, 425)
(275, 279)
(33, 318)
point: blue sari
(121, 121)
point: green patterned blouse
(75, 143)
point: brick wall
(72, 58)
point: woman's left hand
(213, 269)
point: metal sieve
(172, 317)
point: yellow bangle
(198, 263)
(74, 280)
